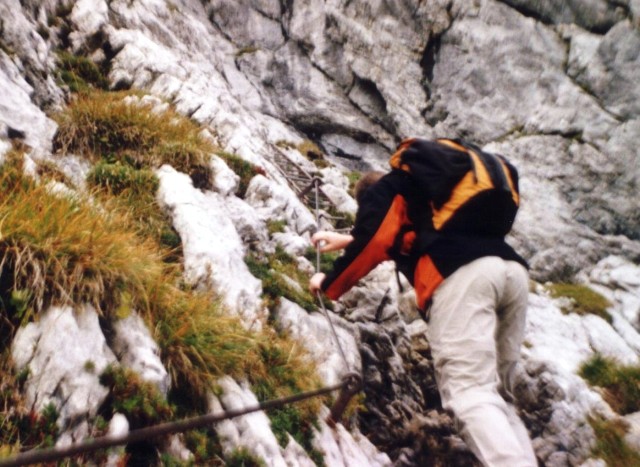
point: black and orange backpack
(464, 190)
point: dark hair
(366, 180)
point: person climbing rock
(442, 213)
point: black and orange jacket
(395, 221)
(382, 220)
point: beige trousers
(476, 328)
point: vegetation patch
(312, 151)
(610, 443)
(281, 277)
(276, 226)
(246, 50)
(619, 382)
(58, 249)
(79, 73)
(205, 446)
(297, 420)
(326, 259)
(242, 457)
(139, 401)
(245, 170)
(122, 127)
(353, 178)
(135, 189)
(109, 248)
(22, 427)
(584, 300)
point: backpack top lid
(437, 167)
(468, 190)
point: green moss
(620, 382)
(326, 259)
(353, 178)
(611, 445)
(584, 300)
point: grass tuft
(64, 250)
(79, 73)
(620, 382)
(134, 190)
(584, 300)
(610, 443)
(120, 127)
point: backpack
(461, 188)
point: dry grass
(118, 126)
(200, 343)
(64, 250)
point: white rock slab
(65, 352)
(313, 331)
(251, 431)
(274, 201)
(213, 249)
(135, 348)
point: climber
(442, 213)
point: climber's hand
(330, 241)
(315, 282)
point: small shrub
(620, 382)
(584, 300)
(610, 443)
(139, 401)
(205, 446)
(22, 427)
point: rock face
(552, 85)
